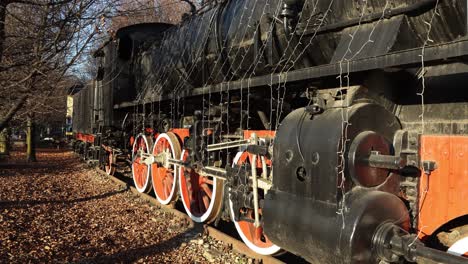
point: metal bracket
(147, 159)
(429, 166)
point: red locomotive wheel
(201, 196)
(141, 171)
(110, 168)
(164, 176)
(253, 237)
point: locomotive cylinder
(331, 214)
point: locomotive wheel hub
(365, 144)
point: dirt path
(58, 210)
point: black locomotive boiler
(336, 130)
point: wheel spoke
(205, 199)
(169, 180)
(201, 205)
(166, 191)
(208, 181)
(258, 234)
(207, 190)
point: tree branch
(4, 122)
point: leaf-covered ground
(60, 211)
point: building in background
(69, 119)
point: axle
(392, 243)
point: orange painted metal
(443, 194)
(260, 133)
(85, 137)
(181, 133)
(156, 135)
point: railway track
(218, 234)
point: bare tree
(41, 42)
(46, 43)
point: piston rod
(226, 145)
(391, 243)
(377, 160)
(255, 190)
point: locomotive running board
(403, 59)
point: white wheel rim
(109, 167)
(144, 188)
(460, 247)
(173, 190)
(209, 210)
(263, 251)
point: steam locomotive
(336, 130)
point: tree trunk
(3, 6)
(4, 142)
(30, 140)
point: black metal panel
(409, 58)
(314, 143)
(314, 196)
(368, 40)
(225, 43)
(321, 234)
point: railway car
(335, 130)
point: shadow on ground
(29, 203)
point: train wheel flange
(140, 171)
(164, 176)
(253, 237)
(201, 196)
